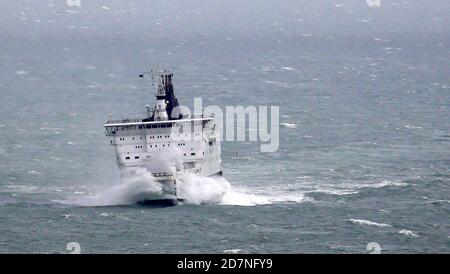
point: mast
(165, 97)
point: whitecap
(369, 223)
(22, 72)
(23, 188)
(408, 233)
(288, 68)
(34, 172)
(331, 191)
(385, 183)
(288, 125)
(412, 127)
(235, 251)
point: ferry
(166, 142)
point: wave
(288, 68)
(217, 190)
(348, 189)
(385, 183)
(235, 251)
(369, 223)
(408, 233)
(334, 191)
(288, 125)
(132, 190)
(192, 188)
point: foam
(408, 233)
(369, 223)
(235, 251)
(288, 125)
(217, 190)
(133, 189)
(194, 189)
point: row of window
(162, 145)
(128, 157)
(137, 157)
(159, 136)
(150, 137)
(179, 144)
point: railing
(134, 122)
(124, 121)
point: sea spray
(196, 189)
(169, 161)
(137, 184)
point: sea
(363, 90)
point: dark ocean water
(364, 152)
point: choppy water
(364, 145)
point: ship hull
(160, 202)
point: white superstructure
(166, 142)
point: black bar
(223, 263)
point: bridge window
(127, 158)
(136, 157)
(193, 154)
